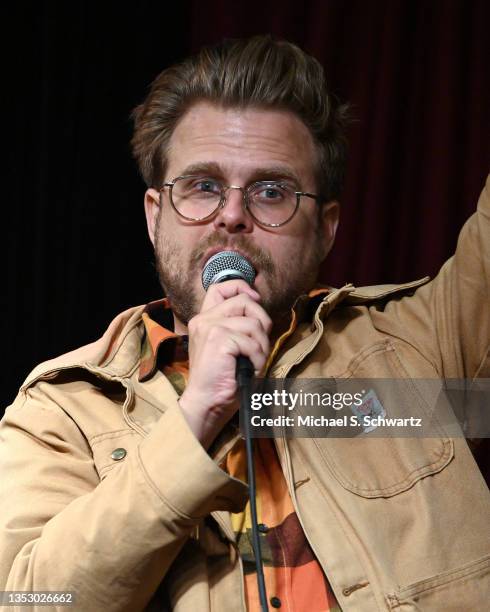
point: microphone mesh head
(226, 265)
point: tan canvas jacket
(397, 524)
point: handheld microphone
(228, 265)
(223, 266)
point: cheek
(169, 247)
(298, 244)
(175, 238)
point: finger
(241, 344)
(248, 326)
(218, 293)
(239, 306)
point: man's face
(238, 147)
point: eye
(269, 193)
(206, 186)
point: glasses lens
(272, 203)
(196, 197)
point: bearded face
(237, 147)
(180, 275)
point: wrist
(204, 422)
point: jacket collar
(158, 324)
(363, 295)
(117, 354)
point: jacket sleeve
(448, 319)
(109, 541)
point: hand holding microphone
(231, 323)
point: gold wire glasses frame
(249, 195)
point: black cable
(244, 376)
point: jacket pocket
(373, 466)
(466, 588)
(112, 449)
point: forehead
(240, 140)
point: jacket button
(262, 527)
(275, 602)
(118, 454)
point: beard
(178, 278)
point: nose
(233, 216)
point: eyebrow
(268, 173)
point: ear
(329, 221)
(152, 208)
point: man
(122, 467)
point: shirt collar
(158, 321)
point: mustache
(260, 259)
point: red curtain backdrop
(417, 76)
(76, 252)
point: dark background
(75, 246)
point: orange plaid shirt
(294, 579)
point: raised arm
(448, 319)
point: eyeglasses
(270, 203)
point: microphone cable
(244, 375)
(220, 267)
